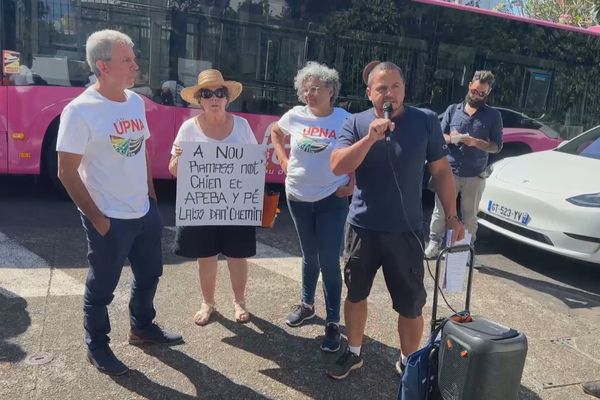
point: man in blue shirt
(388, 157)
(472, 130)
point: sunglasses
(218, 93)
(479, 93)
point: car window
(512, 119)
(586, 144)
(509, 119)
(515, 119)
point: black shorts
(400, 255)
(209, 241)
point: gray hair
(328, 76)
(384, 66)
(99, 46)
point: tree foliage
(581, 13)
(380, 16)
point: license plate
(521, 217)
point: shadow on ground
(526, 394)
(14, 320)
(573, 298)
(578, 274)
(209, 384)
(302, 365)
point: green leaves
(581, 13)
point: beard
(473, 102)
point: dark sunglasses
(218, 93)
(479, 93)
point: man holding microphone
(388, 155)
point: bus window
(543, 71)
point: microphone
(388, 109)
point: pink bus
(546, 73)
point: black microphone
(388, 110)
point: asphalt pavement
(554, 301)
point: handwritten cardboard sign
(220, 184)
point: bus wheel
(51, 165)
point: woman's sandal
(202, 317)
(241, 314)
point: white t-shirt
(190, 131)
(309, 176)
(111, 137)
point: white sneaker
(433, 249)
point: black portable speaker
(480, 360)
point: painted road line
(25, 274)
(33, 282)
(13, 255)
(274, 260)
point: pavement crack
(570, 343)
(43, 331)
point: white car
(549, 199)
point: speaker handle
(449, 250)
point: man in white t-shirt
(103, 164)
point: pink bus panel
(3, 105)
(3, 132)
(162, 133)
(3, 153)
(31, 109)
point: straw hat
(211, 78)
(367, 70)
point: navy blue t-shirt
(485, 124)
(376, 203)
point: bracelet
(453, 217)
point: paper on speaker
(455, 265)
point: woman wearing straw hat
(317, 199)
(215, 125)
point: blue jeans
(140, 241)
(320, 227)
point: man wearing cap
(388, 156)
(472, 130)
(104, 166)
